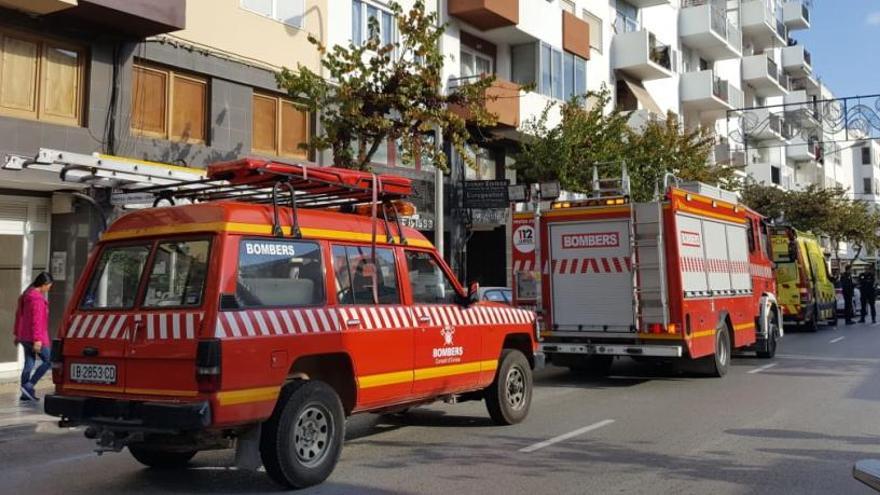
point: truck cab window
(116, 278)
(357, 273)
(427, 280)
(177, 277)
(273, 273)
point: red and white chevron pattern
(578, 266)
(252, 323)
(158, 326)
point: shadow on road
(803, 435)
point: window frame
(39, 112)
(475, 54)
(365, 22)
(279, 101)
(274, 15)
(596, 26)
(151, 262)
(555, 60)
(325, 299)
(446, 271)
(170, 76)
(149, 244)
(401, 298)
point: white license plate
(93, 373)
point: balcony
(761, 73)
(575, 35)
(807, 83)
(759, 24)
(723, 154)
(486, 14)
(796, 15)
(802, 150)
(38, 7)
(796, 60)
(502, 100)
(704, 92)
(802, 110)
(648, 3)
(125, 17)
(639, 55)
(705, 28)
(762, 125)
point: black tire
(768, 350)
(509, 396)
(301, 442)
(158, 458)
(592, 365)
(718, 363)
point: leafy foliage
(824, 211)
(589, 136)
(376, 93)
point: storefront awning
(643, 97)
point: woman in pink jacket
(32, 332)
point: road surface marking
(762, 368)
(805, 357)
(566, 436)
(834, 341)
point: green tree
(828, 212)
(588, 135)
(377, 93)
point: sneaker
(24, 398)
(29, 393)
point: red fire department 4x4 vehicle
(248, 324)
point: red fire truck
(240, 322)
(685, 276)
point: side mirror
(473, 292)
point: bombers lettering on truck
(269, 249)
(591, 240)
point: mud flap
(247, 449)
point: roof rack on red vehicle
(260, 181)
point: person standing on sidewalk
(32, 332)
(869, 294)
(848, 287)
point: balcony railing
(781, 29)
(775, 73)
(725, 28)
(808, 59)
(805, 11)
(660, 54)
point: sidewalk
(21, 417)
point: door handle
(138, 325)
(90, 351)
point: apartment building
(187, 82)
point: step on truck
(283, 299)
(687, 276)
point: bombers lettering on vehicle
(591, 240)
(269, 249)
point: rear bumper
(129, 415)
(675, 351)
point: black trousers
(868, 302)
(848, 306)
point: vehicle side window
(279, 273)
(750, 233)
(495, 296)
(177, 277)
(427, 280)
(116, 278)
(356, 275)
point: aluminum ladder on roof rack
(650, 297)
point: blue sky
(844, 39)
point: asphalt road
(792, 425)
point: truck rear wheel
(767, 349)
(302, 440)
(159, 458)
(717, 364)
(509, 396)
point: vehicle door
(162, 347)
(378, 333)
(823, 286)
(99, 326)
(448, 341)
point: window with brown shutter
(280, 126)
(168, 105)
(41, 79)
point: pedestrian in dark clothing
(32, 332)
(848, 287)
(868, 292)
